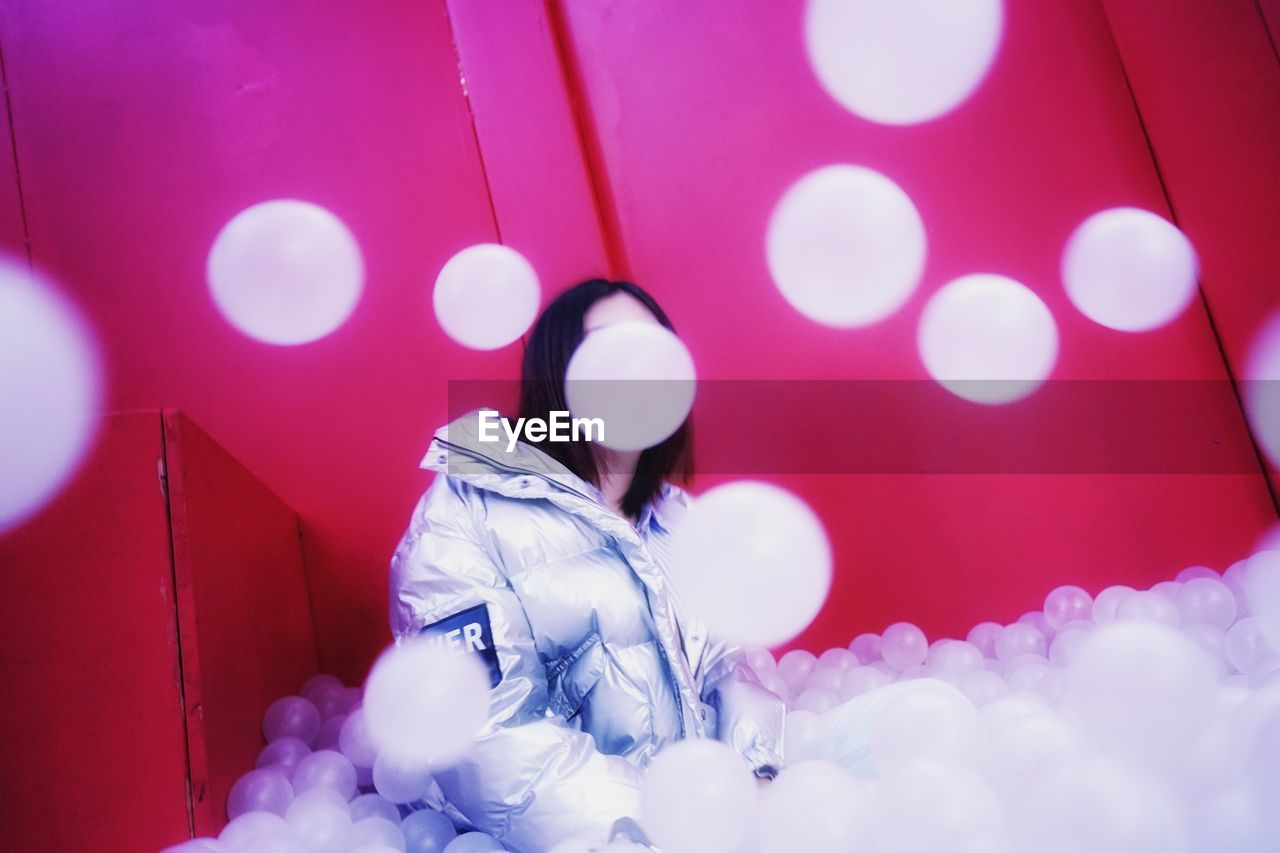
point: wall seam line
(1264, 468)
(13, 146)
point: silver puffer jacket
(597, 665)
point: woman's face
(616, 308)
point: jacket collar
(456, 450)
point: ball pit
(1131, 721)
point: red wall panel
(244, 614)
(92, 732)
(705, 113)
(143, 126)
(1207, 80)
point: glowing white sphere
(1262, 388)
(284, 752)
(988, 339)
(326, 769)
(1147, 606)
(933, 807)
(846, 246)
(427, 831)
(902, 62)
(817, 699)
(285, 272)
(1129, 269)
(806, 737)
(322, 825)
(1100, 805)
(486, 296)
(355, 741)
(424, 702)
(1247, 647)
(50, 392)
(815, 805)
(1104, 606)
(983, 636)
(400, 781)
(1020, 639)
(952, 658)
(1206, 600)
(291, 716)
(377, 830)
(638, 378)
(1067, 604)
(753, 561)
(251, 829)
(697, 795)
(1262, 588)
(369, 805)
(1141, 689)
(927, 720)
(903, 646)
(266, 789)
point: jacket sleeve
(749, 717)
(530, 779)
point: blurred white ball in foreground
(902, 62)
(815, 805)
(988, 339)
(1141, 689)
(698, 795)
(285, 272)
(1262, 588)
(1262, 388)
(845, 246)
(486, 296)
(932, 720)
(49, 392)
(425, 702)
(933, 807)
(1129, 269)
(753, 561)
(637, 377)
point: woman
(553, 559)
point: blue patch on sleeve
(469, 631)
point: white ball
(1261, 390)
(425, 702)
(846, 246)
(816, 805)
(926, 720)
(1129, 269)
(902, 62)
(753, 561)
(932, 807)
(285, 272)
(1261, 583)
(1102, 806)
(1141, 689)
(355, 741)
(638, 378)
(486, 296)
(398, 781)
(697, 795)
(806, 737)
(988, 339)
(50, 392)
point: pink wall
(697, 155)
(142, 126)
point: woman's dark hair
(546, 358)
